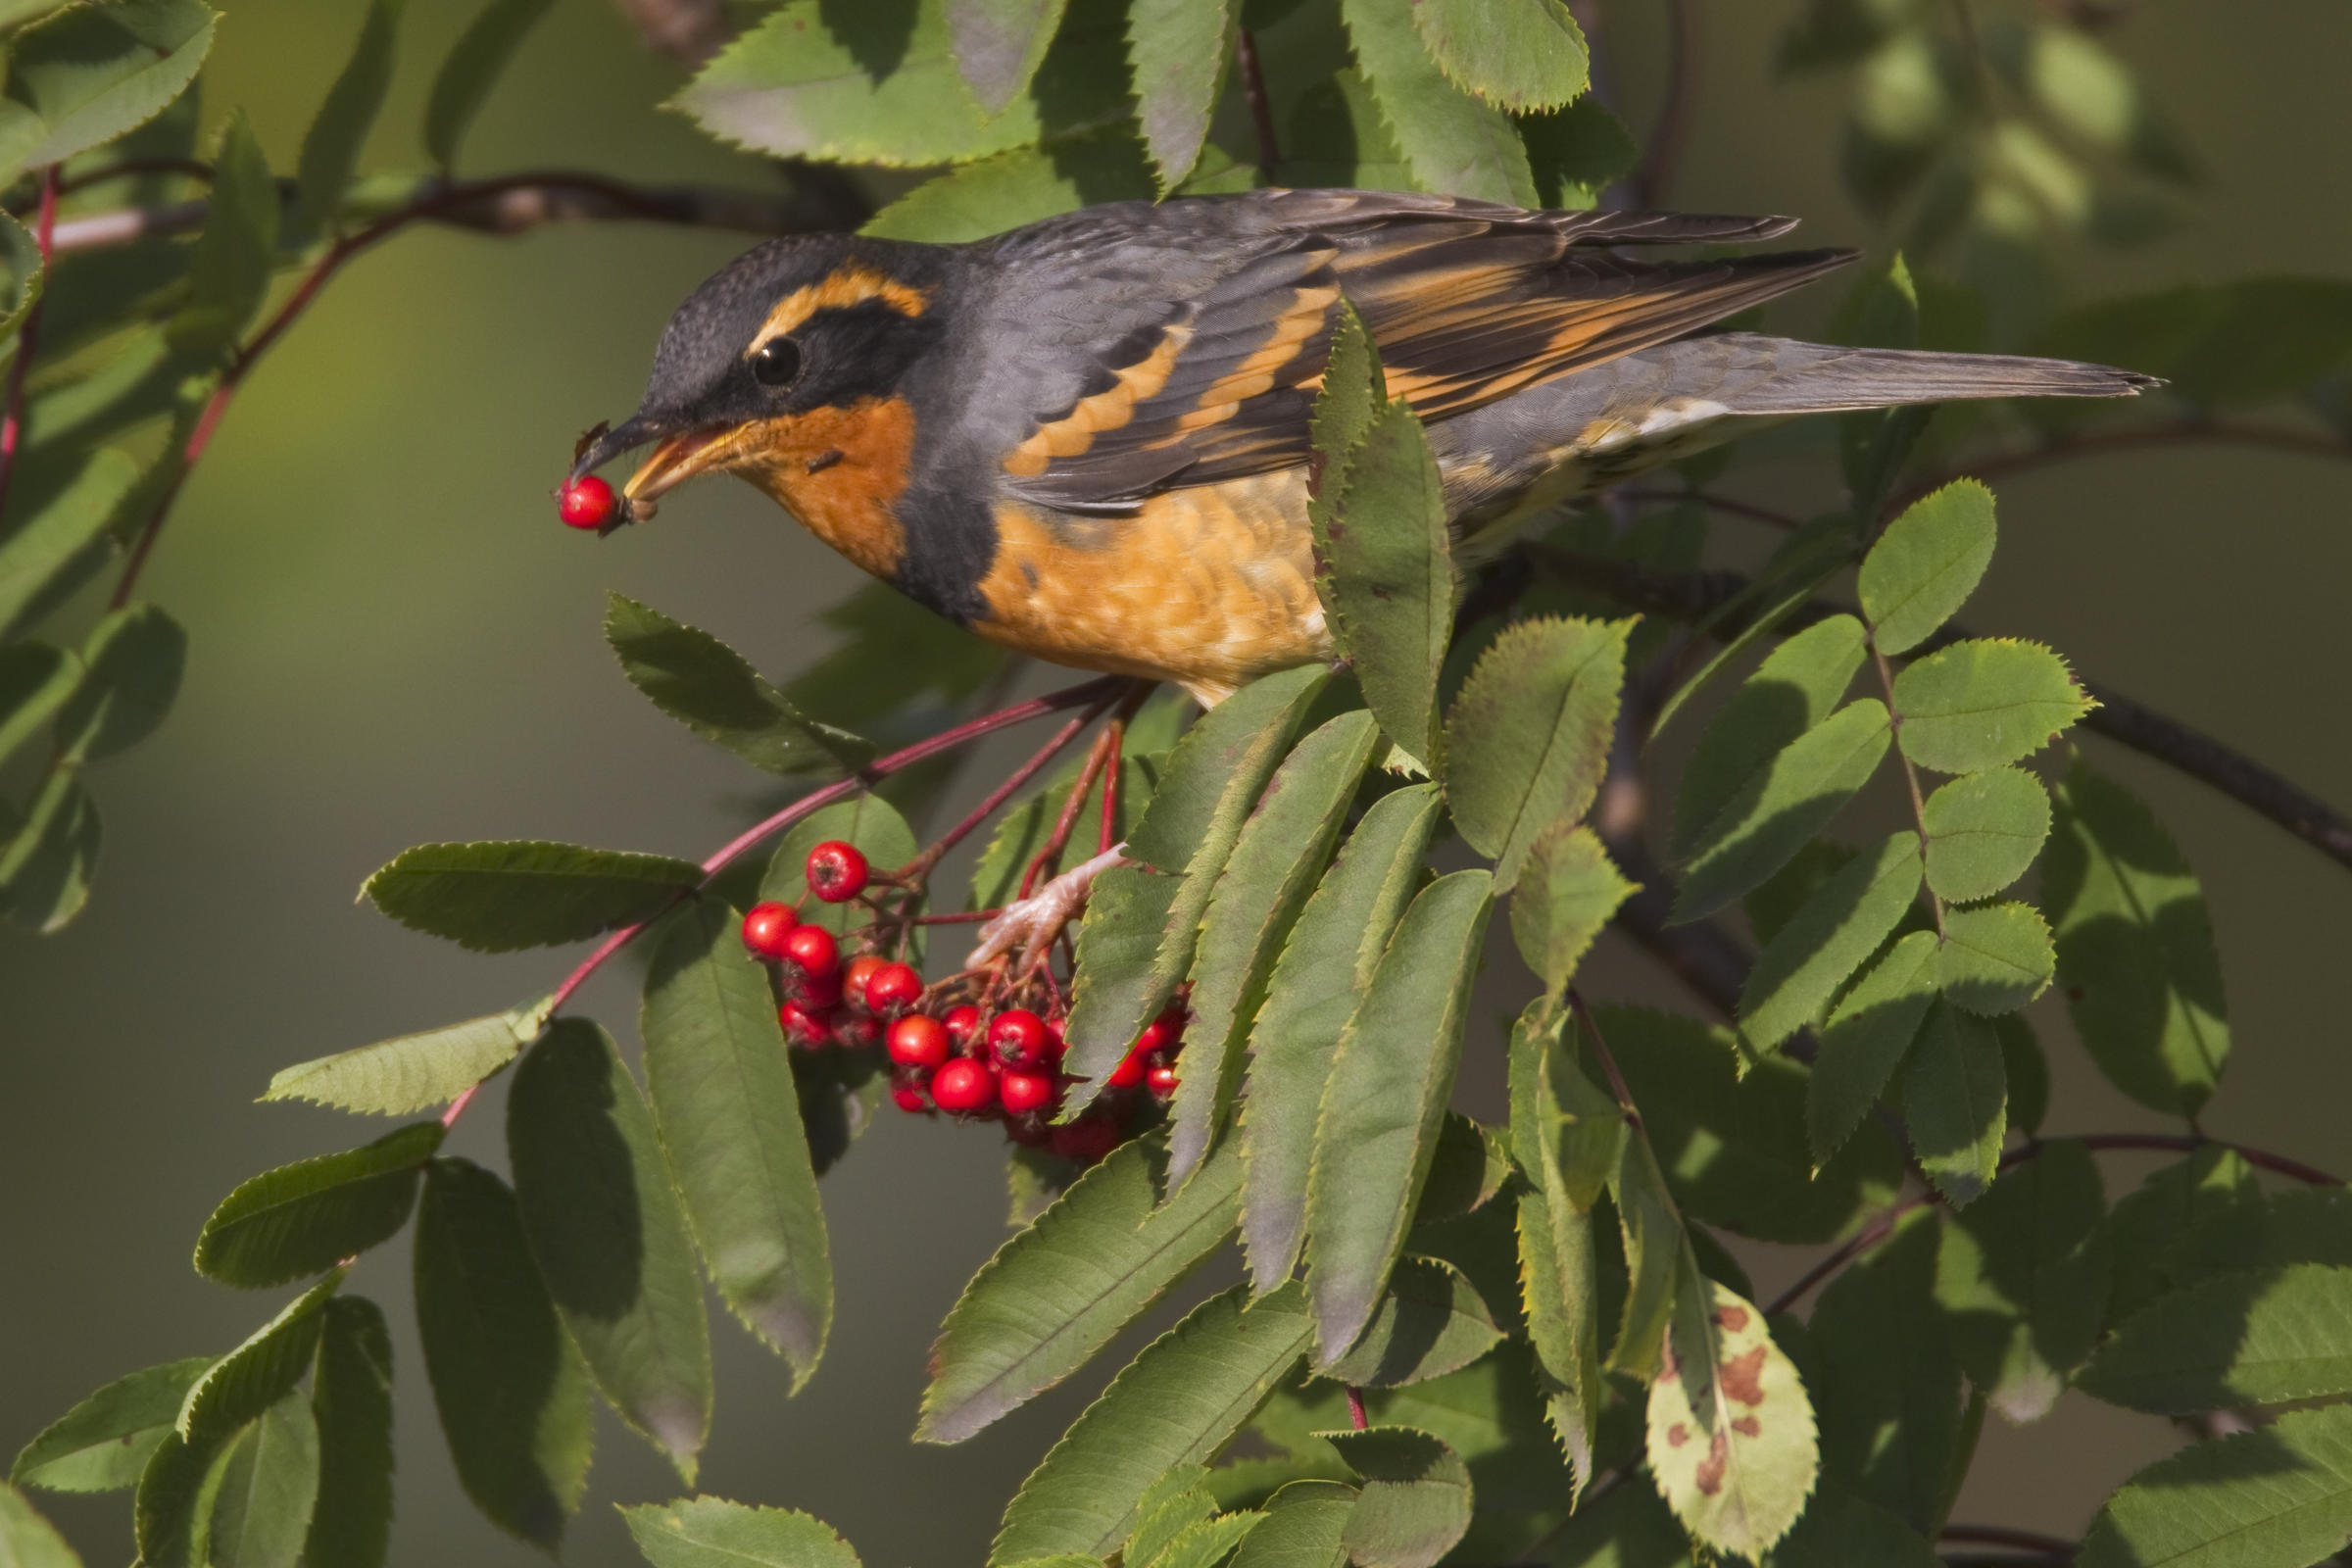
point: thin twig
(1356, 1409)
(1655, 177)
(127, 168)
(2169, 435)
(12, 424)
(1608, 1063)
(1261, 107)
(2003, 1536)
(1109, 833)
(1049, 858)
(915, 870)
(1730, 506)
(1919, 803)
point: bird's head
(792, 355)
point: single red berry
(586, 502)
(963, 1086)
(1017, 1038)
(808, 1030)
(1161, 1080)
(1058, 1044)
(962, 1023)
(1172, 1019)
(1129, 1072)
(766, 927)
(1025, 1090)
(1085, 1139)
(811, 950)
(891, 986)
(909, 1099)
(854, 1031)
(1154, 1036)
(837, 872)
(856, 973)
(919, 1040)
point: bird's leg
(1030, 924)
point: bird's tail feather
(1815, 378)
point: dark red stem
(1050, 858)
(1356, 1409)
(1261, 106)
(1110, 789)
(12, 426)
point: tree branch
(1261, 107)
(1655, 177)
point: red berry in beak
(587, 503)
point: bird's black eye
(776, 362)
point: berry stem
(12, 427)
(1356, 1409)
(1111, 788)
(915, 871)
(1049, 858)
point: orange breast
(839, 471)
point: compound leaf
(1415, 1500)
(499, 896)
(714, 692)
(1984, 703)
(2235, 1340)
(1783, 807)
(1926, 565)
(1832, 936)
(103, 1442)
(715, 1532)
(303, 1218)
(1983, 830)
(1955, 1093)
(395, 1077)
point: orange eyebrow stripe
(850, 286)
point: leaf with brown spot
(1741, 1489)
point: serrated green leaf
(1204, 1543)
(351, 1397)
(1174, 1502)
(1796, 687)
(500, 896)
(721, 1079)
(405, 1074)
(36, 679)
(1867, 1038)
(1731, 1433)
(471, 67)
(54, 550)
(229, 273)
(1994, 959)
(1282, 850)
(46, 868)
(2022, 1279)
(1122, 978)
(1984, 703)
(103, 1442)
(1353, 393)
(1983, 830)
(261, 1509)
(1176, 55)
(28, 1541)
(1385, 573)
(1528, 737)
(1558, 1291)
(303, 1218)
(1577, 152)
(2240, 1339)
(509, 1385)
(2276, 1497)
(800, 85)
(330, 148)
(1887, 1384)
(1063, 1289)
(91, 74)
(1301, 1529)
(1954, 1101)
(1650, 1232)
(998, 44)
(1431, 1321)
(173, 1507)
(1390, 1079)
(1450, 141)
(2136, 947)
(1415, 1500)
(973, 201)
(714, 692)
(2212, 1194)
(1782, 807)
(1520, 54)
(1328, 962)
(257, 1374)
(1926, 565)
(607, 1231)
(1473, 1163)
(1178, 1402)
(1568, 890)
(131, 665)
(1829, 939)
(715, 1532)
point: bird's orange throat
(839, 471)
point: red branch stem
(12, 424)
(1109, 834)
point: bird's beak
(679, 457)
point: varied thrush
(1087, 439)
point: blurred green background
(393, 642)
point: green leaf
(2276, 1497)
(90, 74)
(1829, 939)
(469, 71)
(103, 1442)
(998, 44)
(257, 1374)
(28, 1541)
(36, 679)
(1982, 703)
(1652, 1235)
(351, 1396)
(605, 1229)
(803, 84)
(714, 692)
(973, 201)
(1577, 153)
(131, 665)
(1954, 1101)
(506, 1380)
(1353, 394)
(2136, 958)
(499, 896)
(1176, 1403)
(2211, 1192)
(228, 274)
(1796, 687)
(173, 1510)
(1212, 781)
(45, 869)
(1431, 1322)
(1731, 1436)
(1839, 1529)
(713, 1533)
(406, 1074)
(1302, 1528)
(1926, 565)
(1175, 1503)
(301, 1219)
(720, 1078)
(1867, 1038)
(1385, 575)
(1520, 54)
(1568, 890)
(1176, 55)
(1390, 1079)
(1782, 807)
(1329, 959)
(1527, 740)
(1452, 141)
(2236, 1340)
(268, 1481)
(1054, 1295)
(868, 822)
(1415, 1500)
(55, 549)
(1887, 1384)
(23, 273)
(1983, 830)
(330, 148)
(1282, 849)
(2023, 1278)
(1995, 957)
